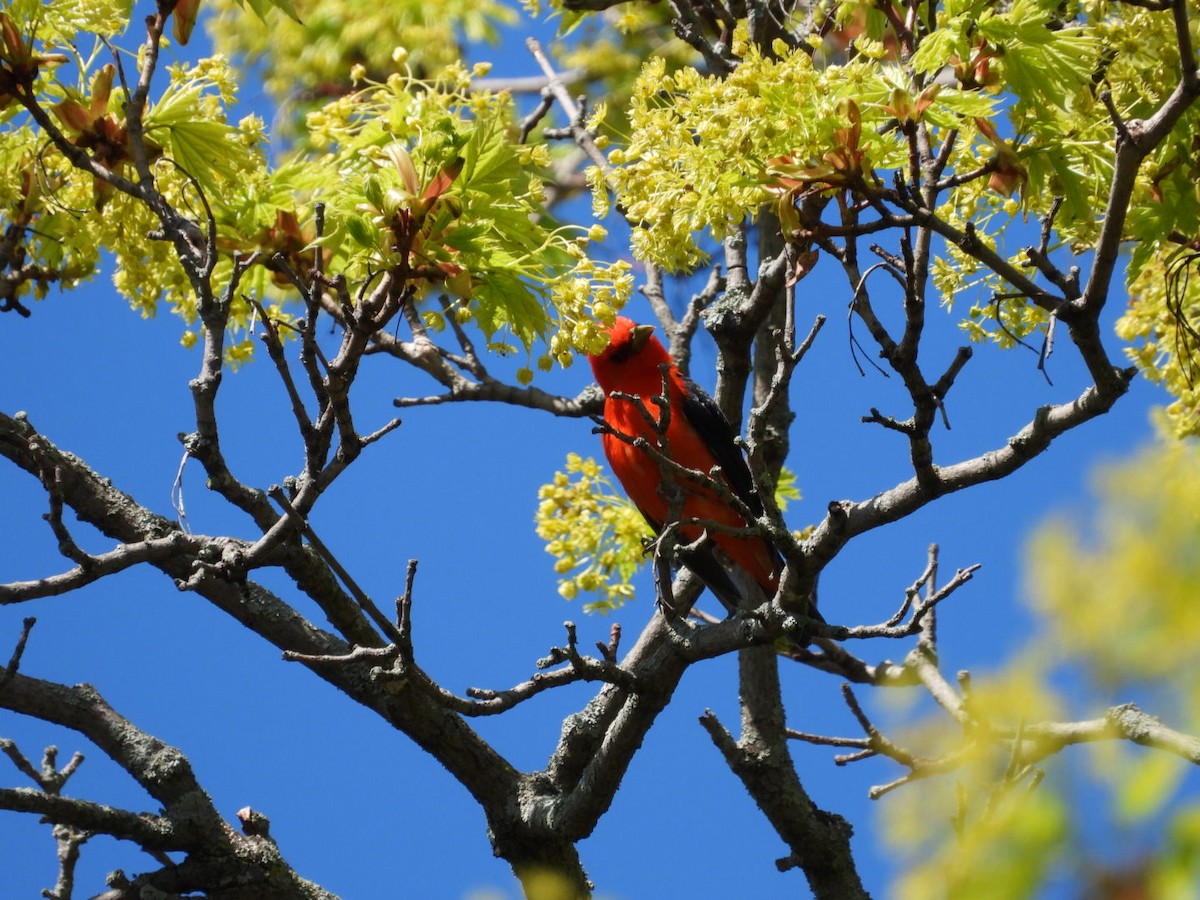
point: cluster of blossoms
(596, 536)
(1164, 345)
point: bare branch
(818, 840)
(148, 831)
(1125, 722)
(381, 621)
(93, 568)
(690, 28)
(893, 629)
(587, 403)
(575, 113)
(14, 661)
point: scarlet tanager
(698, 437)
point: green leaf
(1148, 785)
(203, 150)
(973, 104)
(786, 488)
(373, 191)
(505, 300)
(1070, 185)
(466, 234)
(934, 52)
(489, 161)
(362, 232)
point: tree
(996, 155)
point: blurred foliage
(1120, 595)
(987, 829)
(304, 63)
(1117, 595)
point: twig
(52, 481)
(689, 28)
(270, 338)
(14, 661)
(368, 605)
(579, 668)
(355, 655)
(942, 387)
(545, 103)
(921, 611)
(177, 494)
(68, 841)
(18, 759)
(93, 568)
(609, 650)
(579, 132)
(404, 612)
(525, 84)
(789, 359)
(151, 832)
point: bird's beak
(640, 335)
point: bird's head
(633, 355)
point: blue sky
(354, 805)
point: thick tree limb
(819, 841)
(148, 832)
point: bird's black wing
(710, 423)
(714, 576)
(706, 417)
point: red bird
(698, 437)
